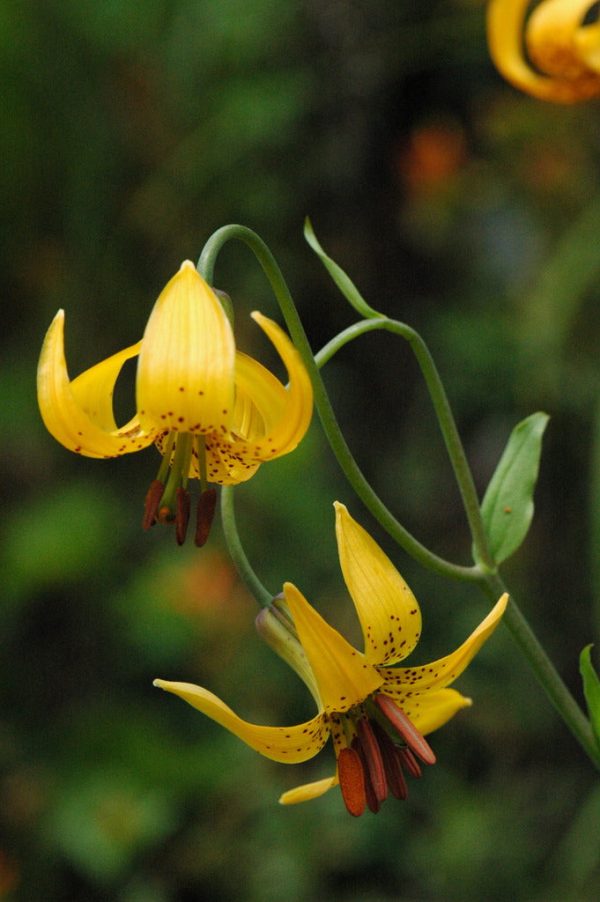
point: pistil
(168, 499)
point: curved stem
(238, 555)
(443, 411)
(327, 416)
(546, 673)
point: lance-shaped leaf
(343, 281)
(507, 507)
(591, 689)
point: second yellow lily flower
(214, 412)
(375, 712)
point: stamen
(408, 760)
(206, 512)
(352, 781)
(393, 768)
(182, 515)
(373, 758)
(370, 794)
(152, 500)
(407, 730)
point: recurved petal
(308, 791)
(344, 676)
(430, 710)
(287, 426)
(506, 26)
(587, 41)
(290, 745)
(79, 414)
(444, 671)
(185, 378)
(388, 611)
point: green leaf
(591, 689)
(507, 507)
(343, 281)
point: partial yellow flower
(561, 39)
(376, 713)
(214, 413)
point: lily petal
(185, 377)
(294, 420)
(290, 745)
(79, 414)
(506, 25)
(429, 710)
(225, 462)
(344, 676)
(388, 611)
(308, 791)
(444, 671)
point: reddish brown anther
(182, 514)
(408, 760)
(373, 803)
(372, 758)
(206, 512)
(393, 768)
(153, 496)
(352, 781)
(405, 728)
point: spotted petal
(308, 791)
(79, 414)
(185, 377)
(344, 676)
(430, 710)
(388, 611)
(401, 681)
(290, 745)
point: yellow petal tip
(187, 264)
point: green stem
(327, 416)
(238, 555)
(487, 578)
(544, 669)
(444, 415)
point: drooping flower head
(214, 413)
(562, 42)
(376, 713)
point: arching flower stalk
(214, 413)
(554, 54)
(376, 713)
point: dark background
(130, 132)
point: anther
(182, 514)
(152, 500)
(408, 760)
(373, 758)
(407, 730)
(371, 796)
(352, 781)
(393, 768)
(206, 512)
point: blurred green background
(130, 132)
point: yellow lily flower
(214, 413)
(376, 713)
(562, 43)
